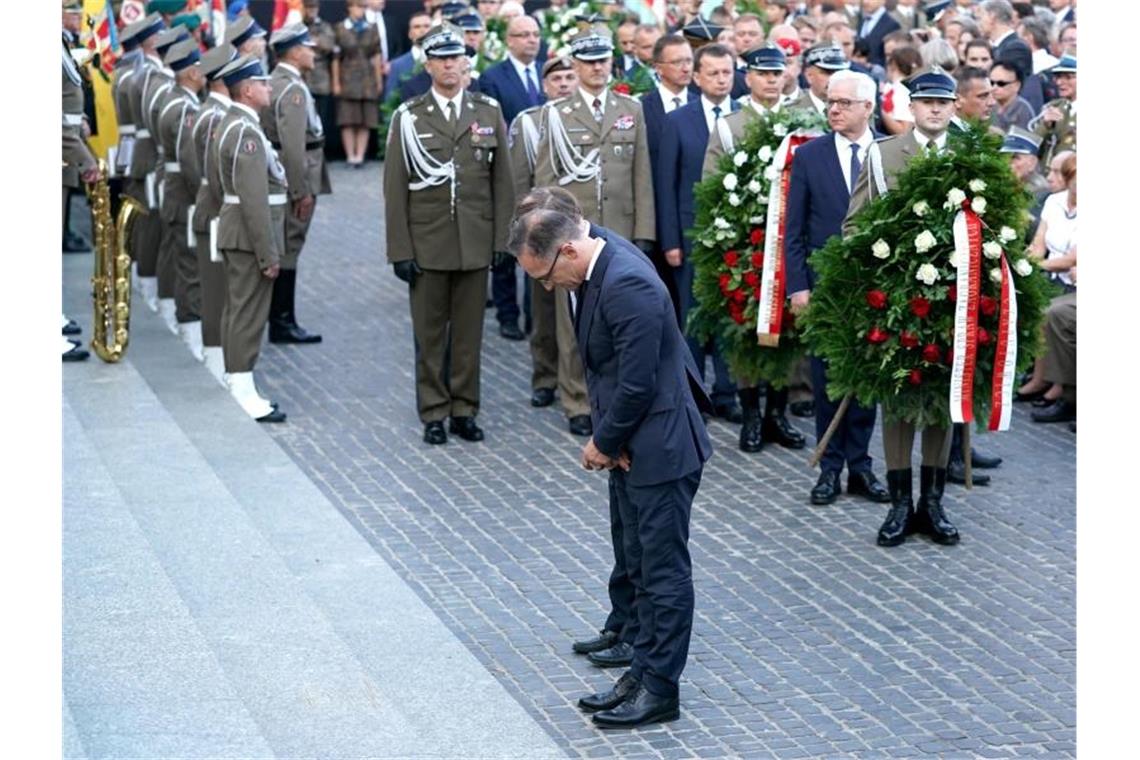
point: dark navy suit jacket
(399, 67)
(884, 26)
(654, 110)
(502, 83)
(681, 157)
(646, 397)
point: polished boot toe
(827, 488)
(865, 484)
(900, 518)
(72, 328)
(291, 333)
(465, 428)
(604, 640)
(607, 700)
(511, 331)
(618, 655)
(274, 416)
(434, 433)
(929, 516)
(956, 473)
(580, 424)
(1058, 411)
(75, 354)
(751, 437)
(982, 461)
(638, 709)
(777, 429)
(542, 397)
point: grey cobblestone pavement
(809, 640)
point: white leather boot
(215, 362)
(168, 311)
(243, 390)
(191, 333)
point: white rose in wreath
(720, 223)
(1023, 267)
(770, 173)
(733, 199)
(921, 208)
(979, 205)
(880, 249)
(977, 185)
(954, 198)
(992, 250)
(995, 274)
(729, 182)
(928, 273)
(780, 130)
(1007, 235)
(740, 159)
(925, 241)
(755, 187)
(765, 154)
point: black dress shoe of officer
(75, 354)
(274, 416)
(580, 424)
(1058, 411)
(434, 433)
(751, 435)
(929, 517)
(983, 462)
(729, 413)
(72, 328)
(898, 523)
(777, 429)
(956, 473)
(804, 408)
(638, 709)
(827, 488)
(542, 397)
(465, 428)
(607, 700)
(865, 484)
(604, 640)
(511, 331)
(285, 332)
(620, 654)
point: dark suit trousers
(655, 534)
(622, 619)
(852, 436)
(723, 389)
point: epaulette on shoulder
(887, 138)
(480, 97)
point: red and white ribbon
(1005, 359)
(968, 251)
(770, 309)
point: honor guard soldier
(247, 37)
(181, 176)
(294, 129)
(594, 145)
(251, 230)
(449, 200)
(147, 230)
(553, 347)
(820, 62)
(125, 68)
(1057, 122)
(933, 93)
(208, 204)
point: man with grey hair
(998, 22)
(646, 401)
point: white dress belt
(173, 167)
(72, 119)
(142, 134)
(275, 199)
(126, 129)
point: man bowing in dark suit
(646, 402)
(681, 159)
(823, 173)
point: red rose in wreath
(877, 335)
(740, 296)
(915, 377)
(931, 353)
(757, 236)
(983, 336)
(952, 293)
(751, 279)
(876, 299)
(723, 281)
(731, 259)
(757, 261)
(623, 88)
(987, 305)
(908, 340)
(920, 307)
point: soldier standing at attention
(448, 202)
(251, 230)
(294, 129)
(180, 186)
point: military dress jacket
(424, 225)
(181, 173)
(208, 202)
(125, 68)
(320, 78)
(77, 156)
(148, 80)
(355, 51)
(252, 179)
(524, 137)
(1062, 135)
(896, 152)
(621, 197)
(294, 129)
(736, 123)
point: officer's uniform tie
(597, 109)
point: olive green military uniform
(805, 102)
(898, 437)
(161, 91)
(1059, 136)
(359, 101)
(125, 68)
(620, 196)
(319, 79)
(147, 233)
(295, 131)
(553, 345)
(736, 122)
(77, 156)
(181, 178)
(251, 231)
(450, 237)
(207, 206)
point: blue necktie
(716, 113)
(531, 89)
(855, 165)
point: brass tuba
(111, 283)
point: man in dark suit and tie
(517, 84)
(875, 24)
(823, 173)
(998, 22)
(681, 160)
(646, 404)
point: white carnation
(992, 250)
(756, 220)
(780, 130)
(977, 185)
(755, 187)
(928, 273)
(921, 208)
(770, 173)
(765, 154)
(740, 159)
(1007, 235)
(729, 182)
(556, 27)
(925, 241)
(954, 198)
(1023, 267)
(733, 199)
(720, 223)
(880, 249)
(995, 274)
(979, 205)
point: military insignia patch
(478, 130)
(296, 98)
(250, 146)
(624, 122)
(566, 109)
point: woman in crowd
(357, 79)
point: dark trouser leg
(1060, 359)
(622, 619)
(935, 447)
(724, 388)
(543, 344)
(660, 569)
(571, 374)
(504, 292)
(825, 409)
(147, 236)
(187, 286)
(430, 299)
(166, 264)
(467, 304)
(246, 312)
(213, 291)
(898, 443)
(683, 279)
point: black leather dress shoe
(776, 429)
(929, 517)
(542, 397)
(291, 333)
(620, 654)
(274, 416)
(1059, 411)
(865, 484)
(827, 488)
(1022, 398)
(511, 331)
(751, 437)
(900, 519)
(465, 428)
(434, 433)
(983, 462)
(75, 354)
(638, 709)
(72, 328)
(580, 424)
(804, 408)
(729, 413)
(604, 640)
(607, 700)
(956, 473)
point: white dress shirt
(820, 105)
(870, 21)
(667, 97)
(710, 117)
(758, 107)
(590, 98)
(589, 273)
(521, 69)
(843, 150)
(377, 18)
(442, 102)
(922, 140)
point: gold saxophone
(111, 283)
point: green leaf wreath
(728, 252)
(882, 311)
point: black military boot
(776, 428)
(929, 518)
(283, 327)
(898, 523)
(750, 438)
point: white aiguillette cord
(419, 163)
(567, 156)
(531, 139)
